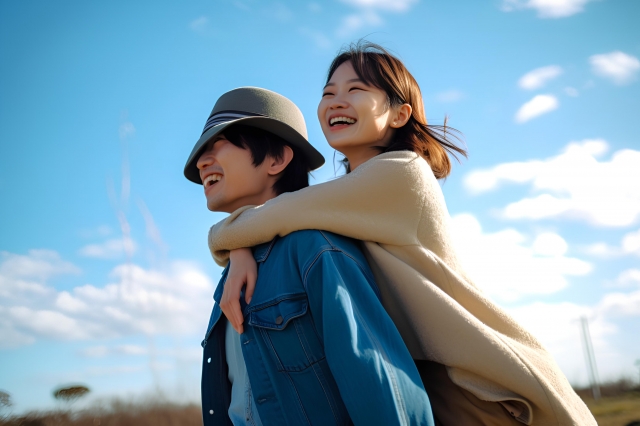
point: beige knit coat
(393, 203)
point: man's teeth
(211, 179)
(346, 120)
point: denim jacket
(319, 347)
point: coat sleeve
(380, 201)
(377, 378)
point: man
(318, 348)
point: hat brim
(286, 132)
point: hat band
(226, 116)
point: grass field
(619, 406)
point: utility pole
(637, 364)
(590, 358)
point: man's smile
(210, 180)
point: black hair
(262, 144)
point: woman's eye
(355, 88)
(326, 94)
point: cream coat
(394, 204)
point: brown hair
(376, 67)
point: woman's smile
(340, 121)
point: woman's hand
(242, 271)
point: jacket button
(208, 360)
(210, 411)
(279, 320)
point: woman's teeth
(341, 120)
(211, 179)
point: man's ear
(277, 165)
(401, 114)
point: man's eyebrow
(353, 80)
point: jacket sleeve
(377, 378)
(380, 201)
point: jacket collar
(262, 251)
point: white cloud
(616, 66)
(29, 273)
(540, 104)
(575, 184)
(547, 8)
(539, 77)
(448, 96)
(629, 277)
(175, 300)
(631, 243)
(621, 304)
(510, 266)
(557, 326)
(199, 25)
(391, 5)
(111, 249)
(48, 323)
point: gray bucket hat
(256, 107)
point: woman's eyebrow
(353, 80)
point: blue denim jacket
(319, 347)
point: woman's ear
(277, 165)
(401, 114)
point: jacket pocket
(288, 331)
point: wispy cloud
(571, 91)
(103, 351)
(114, 248)
(539, 77)
(617, 66)
(450, 96)
(319, 38)
(547, 8)
(281, 12)
(576, 184)
(391, 5)
(199, 25)
(354, 22)
(368, 14)
(539, 105)
(314, 7)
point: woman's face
(354, 117)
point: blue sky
(105, 275)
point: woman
(478, 365)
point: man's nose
(205, 160)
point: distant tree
(5, 402)
(5, 399)
(71, 393)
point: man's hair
(262, 144)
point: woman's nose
(338, 102)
